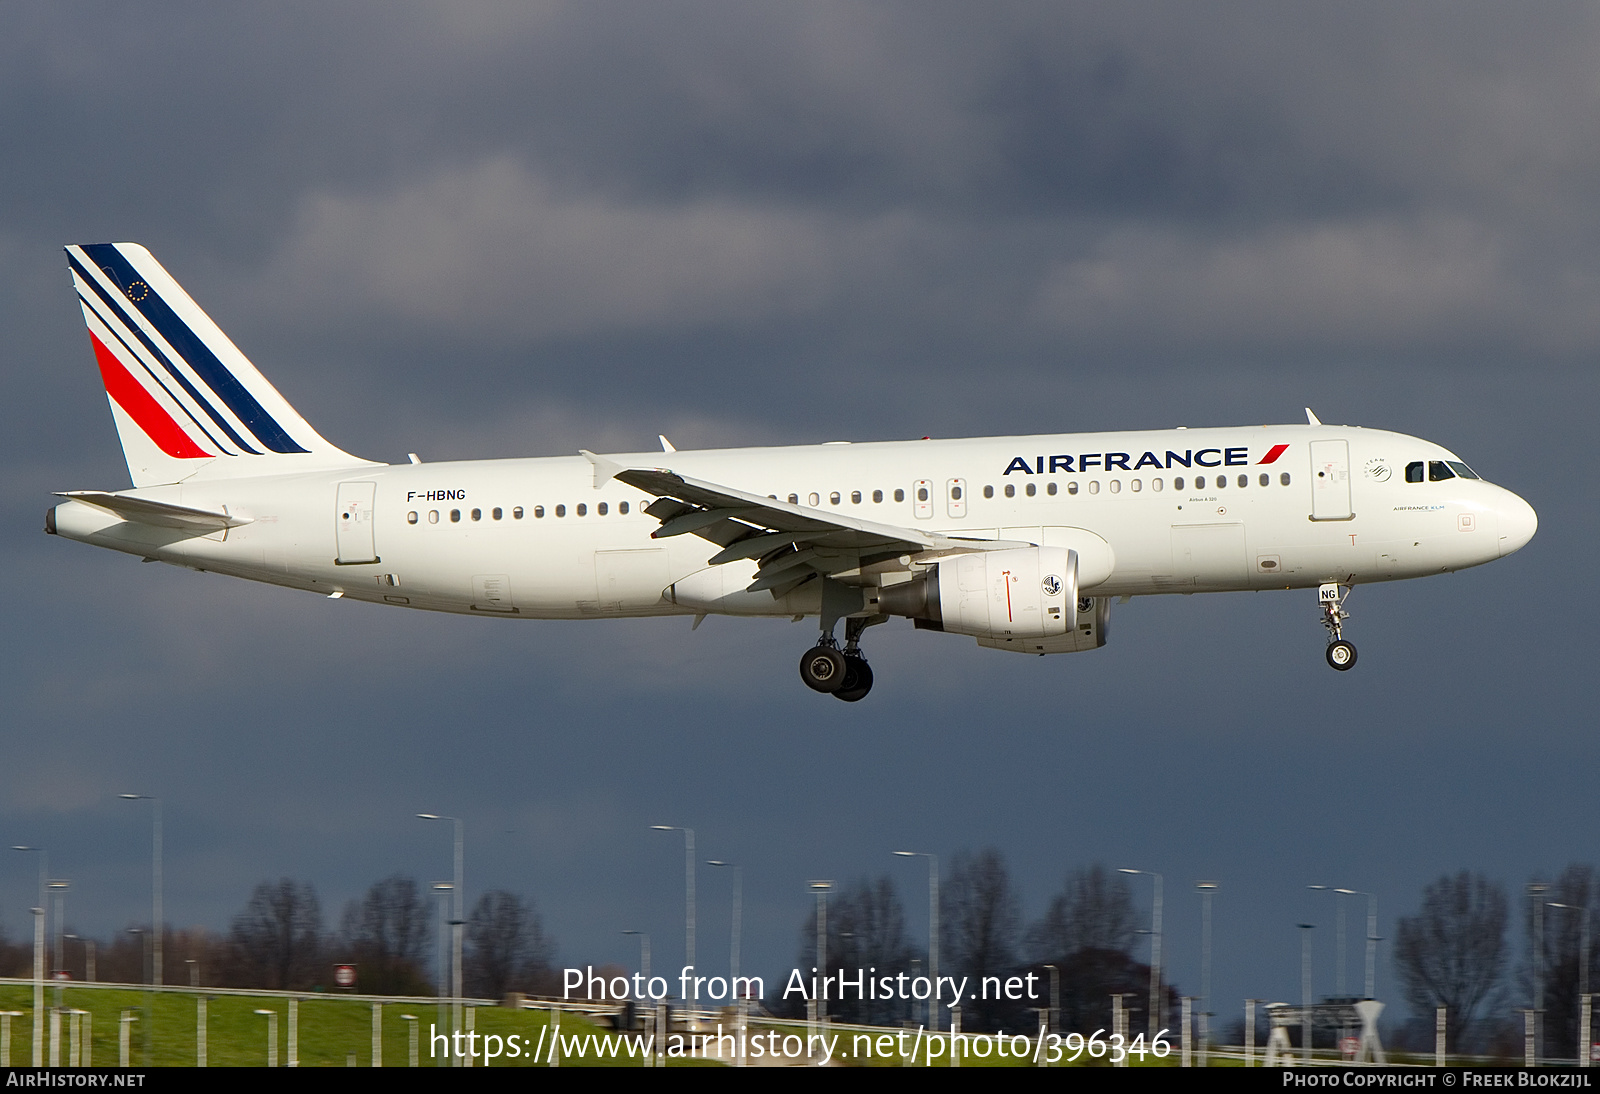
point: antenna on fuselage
(1311, 419)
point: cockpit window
(1438, 471)
(1462, 469)
(1414, 472)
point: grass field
(332, 1030)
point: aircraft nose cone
(1518, 522)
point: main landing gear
(1341, 654)
(844, 674)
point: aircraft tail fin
(186, 401)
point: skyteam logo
(1051, 585)
(1085, 462)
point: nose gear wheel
(1341, 654)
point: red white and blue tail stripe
(186, 401)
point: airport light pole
(442, 890)
(1154, 1018)
(38, 987)
(738, 915)
(1206, 889)
(688, 887)
(1305, 988)
(155, 880)
(1583, 974)
(457, 911)
(933, 930)
(1536, 892)
(821, 888)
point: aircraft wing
(793, 543)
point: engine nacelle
(1022, 593)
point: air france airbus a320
(1019, 542)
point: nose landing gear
(1341, 654)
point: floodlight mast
(688, 887)
(933, 929)
(155, 882)
(1154, 1017)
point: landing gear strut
(1341, 654)
(857, 673)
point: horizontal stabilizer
(159, 514)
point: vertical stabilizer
(186, 401)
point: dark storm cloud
(478, 229)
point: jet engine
(1024, 592)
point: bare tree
(386, 936)
(507, 949)
(980, 921)
(1452, 953)
(1093, 911)
(276, 942)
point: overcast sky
(474, 230)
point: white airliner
(1019, 542)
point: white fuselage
(536, 538)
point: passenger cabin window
(1155, 484)
(516, 514)
(794, 499)
(922, 493)
(1011, 490)
(815, 499)
(583, 510)
(1072, 487)
(497, 512)
(1284, 478)
(622, 507)
(477, 514)
(833, 498)
(1177, 483)
(877, 496)
(1266, 479)
(855, 497)
(988, 491)
(433, 516)
(601, 509)
(899, 495)
(455, 516)
(1031, 489)
(538, 512)
(1050, 489)
(411, 517)
(561, 510)
(1438, 471)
